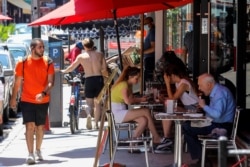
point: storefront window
(178, 21)
(222, 37)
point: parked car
(24, 28)
(18, 50)
(7, 62)
(1, 102)
(26, 39)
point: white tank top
(188, 97)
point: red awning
(85, 10)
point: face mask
(146, 27)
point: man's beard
(38, 54)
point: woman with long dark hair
(186, 91)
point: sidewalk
(61, 148)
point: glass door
(223, 39)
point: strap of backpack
(49, 61)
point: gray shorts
(34, 112)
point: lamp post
(36, 30)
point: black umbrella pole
(118, 39)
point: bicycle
(76, 80)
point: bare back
(93, 63)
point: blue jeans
(191, 136)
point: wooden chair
(211, 143)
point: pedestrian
(95, 68)
(149, 49)
(77, 49)
(221, 109)
(34, 75)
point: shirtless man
(95, 68)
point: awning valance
(21, 4)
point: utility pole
(35, 8)
(4, 7)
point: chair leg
(113, 156)
(105, 146)
(203, 156)
(151, 143)
(146, 153)
(185, 147)
(237, 155)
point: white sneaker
(39, 155)
(89, 123)
(30, 159)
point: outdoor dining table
(149, 104)
(178, 118)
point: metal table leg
(177, 145)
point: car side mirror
(8, 72)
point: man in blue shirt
(149, 49)
(221, 110)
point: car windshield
(4, 61)
(23, 28)
(18, 54)
(27, 42)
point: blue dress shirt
(222, 105)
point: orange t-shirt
(35, 78)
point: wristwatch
(44, 93)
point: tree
(5, 31)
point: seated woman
(186, 91)
(168, 57)
(122, 95)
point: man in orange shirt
(35, 76)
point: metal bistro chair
(119, 143)
(126, 126)
(211, 143)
